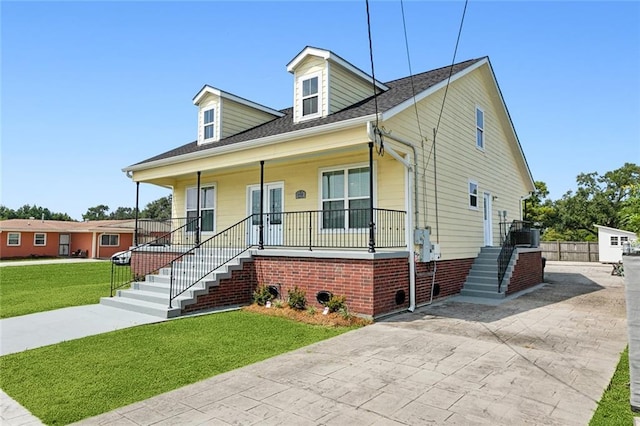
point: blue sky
(91, 87)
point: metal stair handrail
(511, 237)
(156, 255)
(188, 269)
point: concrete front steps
(482, 280)
(151, 296)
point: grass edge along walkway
(77, 379)
(28, 289)
(614, 407)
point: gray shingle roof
(399, 91)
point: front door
(272, 213)
(488, 228)
(63, 244)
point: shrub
(297, 298)
(337, 303)
(278, 304)
(262, 295)
(312, 310)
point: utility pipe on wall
(374, 133)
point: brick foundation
(527, 272)
(236, 290)
(450, 277)
(371, 286)
(148, 262)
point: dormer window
(209, 124)
(310, 96)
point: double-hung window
(13, 239)
(209, 123)
(473, 195)
(479, 128)
(39, 239)
(345, 198)
(310, 96)
(110, 240)
(614, 240)
(207, 208)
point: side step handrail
(196, 264)
(519, 232)
(136, 263)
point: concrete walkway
(47, 261)
(542, 358)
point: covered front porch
(346, 204)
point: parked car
(122, 258)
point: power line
(373, 72)
(453, 61)
(413, 89)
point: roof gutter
(252, 143)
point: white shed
(610, 242)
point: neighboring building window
(479, 128)
(13, 239)
(345, 198)
(207, 208)
(208, 124)
(110, 240)
(624, 240)
(39, 239)
(473, 195)
(310, 102)
(614, 240)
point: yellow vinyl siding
(345, 88)
(498, 169)
(236, 118)
(231, 185)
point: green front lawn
(614, 408)
(73, 380)
(27, 289)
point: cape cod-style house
(345, 193)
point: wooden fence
(576, 251)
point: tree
(123, 213)
(98, 212)
(27, 211)
(158, 209)
(540, 210)
(608, 200)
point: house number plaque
(301, 194)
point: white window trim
(469, 194)
(109, 245)
(484, 126)
(19, 239)
(214, 123)
(35, 238)
(215, 203)
(345, 167)
(299, 81)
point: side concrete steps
(482, 280)
(151, 296)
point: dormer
(221, 114)
(325, 83)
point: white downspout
(409, 167)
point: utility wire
(379, 149)
(453, 61)
(413, 89)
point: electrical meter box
(422, 238)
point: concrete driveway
(542, 358)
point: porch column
(198, 210)
(261, 224)
(372, 235)
(135, 233)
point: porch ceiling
(215, 165)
